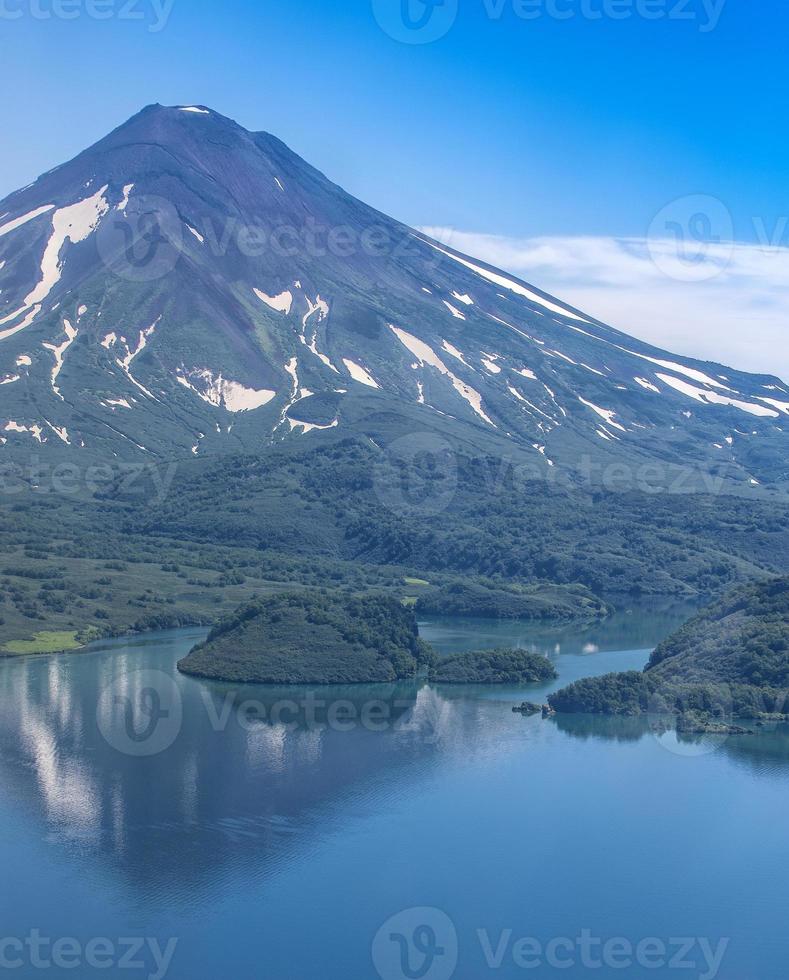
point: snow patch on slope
(691, 373)
(426, 355)
(34, 430)
(490, 366)
(321, 307)
(713, 398)
(281, 303)
(61, 433)
(457, 354)
(125, 200)
(516, 394)
(60, 353)
(506, 283)
(125, 363)
(5, 334)
(219, 392)
(306, 427)
(10, 226)
(70, 224)
(453, 310)
(781, 406)
(358, 373)
(541, 450)
(604, 413)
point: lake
(156, 825)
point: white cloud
(729, 303)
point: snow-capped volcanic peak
(187, 287)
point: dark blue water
(397, 832)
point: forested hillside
(729, 661)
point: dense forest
(491, 520)
(313, 638)
(741, 639)
(731, 660)
(186, 544)
(477, 596)
(493, 667)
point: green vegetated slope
(92, 577)
(349, 502)
(47, 641)
(504, 600)
(741, 639)
(732, 659)
(206, 535)
(313, 638)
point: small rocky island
(493, 667)
(324, 637)
(313, 638)
(730, 662)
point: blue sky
(559, 126)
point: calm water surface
(274, 839)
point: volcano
(186, 287)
